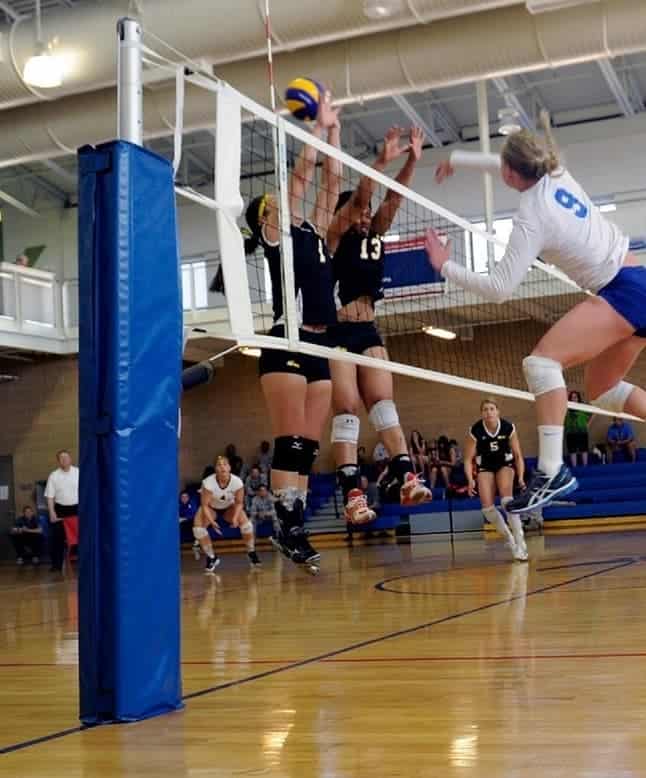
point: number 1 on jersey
(322, 257)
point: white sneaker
(519, 550)
(357, 510)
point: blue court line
(344, 650)
(587, 564)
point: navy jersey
(493, 449)
(359, 266)
(312, 275)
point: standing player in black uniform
(355, 239)
(297, 388)
(493, 443)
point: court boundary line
(336, 652)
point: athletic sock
(550, 449)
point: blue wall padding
(129, 387)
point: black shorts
(355, 336)
(494, 468)
(576, 442)
(311, 368)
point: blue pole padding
(130, 352)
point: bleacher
(605, 491)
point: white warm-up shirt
(557, 222)
(222, 498)
(63, 486)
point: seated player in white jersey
(558, 222)
(222, 499)
(493, 444)
(355, 238)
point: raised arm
(360, 200)
(305, 167)
(473, 160)
(388, 209)
(330, 186)
(525, 244)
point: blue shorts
(626, 293)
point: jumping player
(222, 499)
(355, 238)
(557, 221)
(297, 388)
(493, 443)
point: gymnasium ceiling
(586, 91)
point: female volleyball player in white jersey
(355, 238)
(297, 387)
(558, 222)
(222, 499)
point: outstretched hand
(438, 249)
(443, 171)
(392, 147)
(327, 117)
(416, 147)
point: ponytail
(529, 155)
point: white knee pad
(345, 428)
(246, 528)
(615, 398)
(542, 375)
(200, 532)
(383, 415)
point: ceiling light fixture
(439, 332)
(250, 352)
(509, 121)
(382, 9)
(43, 70)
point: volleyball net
(432, 329)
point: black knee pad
(310, 452)
(288, 453)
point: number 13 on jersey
(373, 251)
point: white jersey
(222, 498)
(63, 486)
(557, 222)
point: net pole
(485, 147)
(129, 82)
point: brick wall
(39, 417)
(40, 411)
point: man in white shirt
(62, 493)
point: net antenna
(252, 148)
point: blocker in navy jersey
(359, 266)
(493, 449)
(355, 336)
(312, 275)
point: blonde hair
(488, 401)
(529, 155)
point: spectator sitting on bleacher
(27, 535)
(576, 431)
(234, 460)
(264, 458)
(187, 507)
(371, 491)
(252, 484)
(417, 451)
(621, 438)
(262, 506)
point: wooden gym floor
(398, 660)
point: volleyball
(302, 98)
